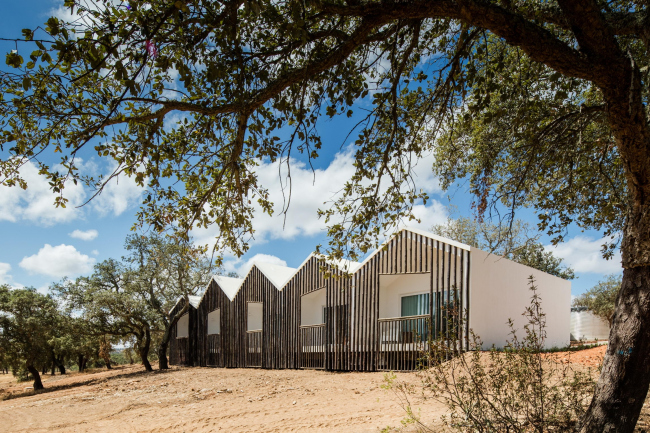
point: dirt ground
(204, 400)
(128, 399)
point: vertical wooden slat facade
(354, 336)
(214, 350)
(185, 351)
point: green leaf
(14, 60)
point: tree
(133, 296)
(513, 242)
(109, 304)
(601, 299)
(538, 104)
(166, 270)
(27, 319)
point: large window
(415, 305)
(255, 316)
(214, 322)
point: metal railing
(401, 341)
(312, 340)
(254, 348)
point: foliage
(132, 297)
(254, 78)
(513, 242)
(28, 321)
(601, 299)
(519, 389)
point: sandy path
(203, 400)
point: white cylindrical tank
(587, 326)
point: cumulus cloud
(118, 195)
(312, 190)
(36, 203)
(242, 267)
(87, 235)
(5, 278)
(583, 255)
(60, 261)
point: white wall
(499, 290)
(183, 326)
(255, 316)
(587, 326)
(311, 308)
(393, 287)
(214, 322)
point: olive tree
(535, 103)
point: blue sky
(41, 244)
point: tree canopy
(535, 103)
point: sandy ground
(205, 400)
(128, 399)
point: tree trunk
(143, 350)
(162, 357)
(85, 360)
(80, 363)
(37, 377)
(108, 364)
(624, 380)
(60, 363)
(53, 367)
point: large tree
(165, 270)
(132, 297)
(535, 103)
(28, 322)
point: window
(214, 322)
(255, 316)
(183, 326)
(415, 305)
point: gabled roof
(195, 300)
(278, 275)
(230, 286)
(417, 232)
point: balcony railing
(401, 341)
(254, 348)
(312, 339)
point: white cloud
(5, 278)
(60, 261)
(583, 255)
(242, 268)
(95, 252)
(36, 203)
(313, 190)
(118, 195)
(434, 213)
(88, 235)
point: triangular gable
(417, 232)
(230, 286)
(279, 276)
